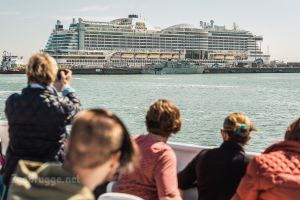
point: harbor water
(270, 100)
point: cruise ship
(132, 43)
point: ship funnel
(212, 23)
(59, 26)
(74, 21)
(131, 16)
(235, 26)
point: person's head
(237, 128)
(293, 131)
(98, 145)
(163, 118)
(42, 69)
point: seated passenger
(155, 178)
(37, 117)
(217, 172)
(275, 174)
(98, 145)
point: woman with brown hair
(155, 178)
(276, 173)
(217, 172)
(37, 117)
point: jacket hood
(292, 146)
(46, 181)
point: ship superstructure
(233, 44)
(132, 42)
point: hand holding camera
(64, 77)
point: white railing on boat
(4, 135)
(184, 154)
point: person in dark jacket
(37, 117)
(99, 145)
(217, 172)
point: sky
(25, 25)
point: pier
(252, 70)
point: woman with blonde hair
(275, 174)
(155, 178)
(37, 117)
(217, 172)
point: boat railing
(4, 135)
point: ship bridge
(182, 27)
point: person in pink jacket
(274, 175)
(156, 177)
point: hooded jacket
(46, 181)
(274, 175)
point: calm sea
(271, 101)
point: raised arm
(69, 102)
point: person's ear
(224, 135)
(115, 158)
(113, 165)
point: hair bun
(242, 127)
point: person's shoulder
(138, 137)
(209, 152)
(264, 164)
(241, 156)
(47, 174)
(149, 142)
(13, 96)
(26, 93)
(162, 147)
(154, 147)
(166, 152)
(264, 158)
(202, 154)
(11, 99)
(272, 161)
(142, 140)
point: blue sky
(27, 24)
